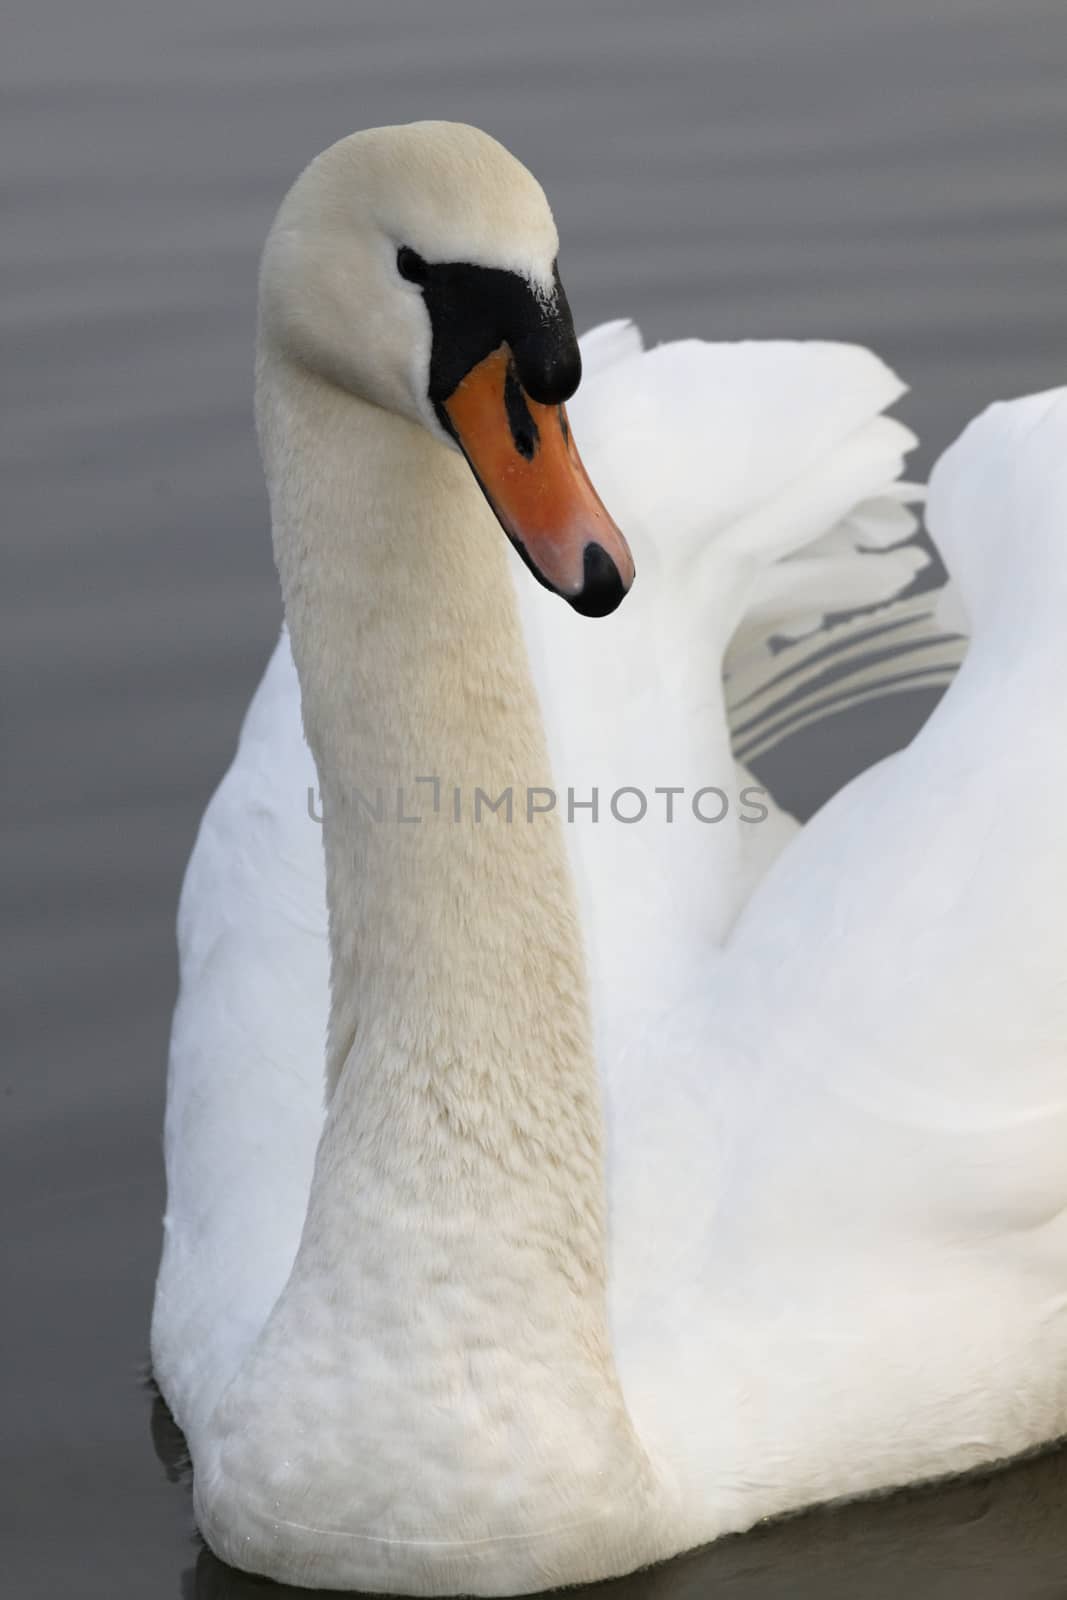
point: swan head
(415, 267)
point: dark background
(891, 171)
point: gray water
(891, 171)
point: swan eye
(410, 265)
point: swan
(560, 1180)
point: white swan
(423, 1341)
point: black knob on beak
(546, 352)
(549, 362)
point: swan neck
(459, 1062)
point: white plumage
(832, 1060)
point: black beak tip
(603, 590)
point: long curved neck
(460, 1067)
(434, 1387)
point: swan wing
(929, 892)
(245, 1079)
(854, 1134)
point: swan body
(547, 1197)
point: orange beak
(525, 460)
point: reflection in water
(993, 1536)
